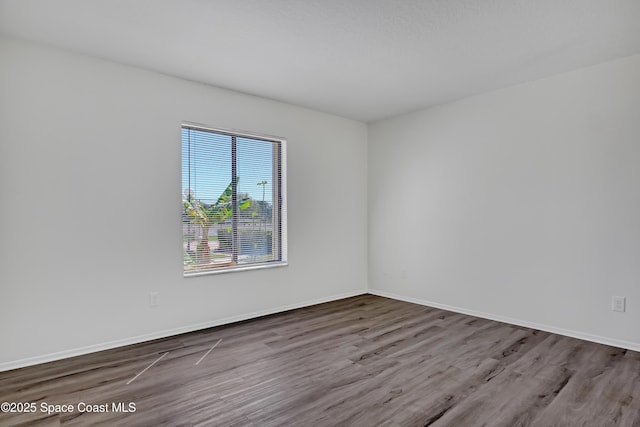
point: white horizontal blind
(233, 201)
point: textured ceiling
(362, 59)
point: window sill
(232, 269)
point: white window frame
(279, 215)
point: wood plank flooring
(362, 361)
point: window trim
(280, 214)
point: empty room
(320, 213)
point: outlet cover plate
(618, 303)
(154, 299)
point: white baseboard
(533, 325)
(6, 366)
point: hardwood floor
(362, 361)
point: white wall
(90, 205)
(521, 204)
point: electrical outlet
(618, 303)
(154, 299)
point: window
(234, 210)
